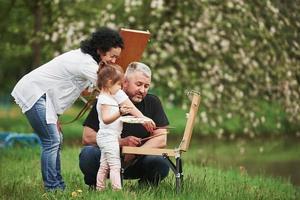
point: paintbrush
(115, 105)
(153, 136)
(164, 127)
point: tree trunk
(36, 43)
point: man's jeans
(51, 140)
(149, 169)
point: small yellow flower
(79, 191)
(45, 195)
(243, 170)
(74, 194)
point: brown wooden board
(184, 144)
(135, 42)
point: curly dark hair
(103, 40)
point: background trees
(242, 56)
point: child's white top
(114, 129)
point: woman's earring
(101, 64)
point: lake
(276, 157)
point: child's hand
(125, 109)
(149, 125)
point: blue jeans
(51, 140)
(148, 169)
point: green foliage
(237, 53)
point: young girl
(110, 127)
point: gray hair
(138, 66)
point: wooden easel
(135, 42)
(176, 152)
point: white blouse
(62, 80)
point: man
(148, 169)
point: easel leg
(122, 170)
(177, 169)
(122, 176)
(179, 174)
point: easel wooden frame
(176, 153)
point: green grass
(204, 178)
(21, 179)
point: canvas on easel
(135, 42)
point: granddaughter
(110, 78)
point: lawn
(21, 179)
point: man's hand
(131, 141)
(89, 136)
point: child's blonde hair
(107, 72)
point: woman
(50, 89)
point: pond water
(268, 157)
(285, 169)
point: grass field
(21, 179)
